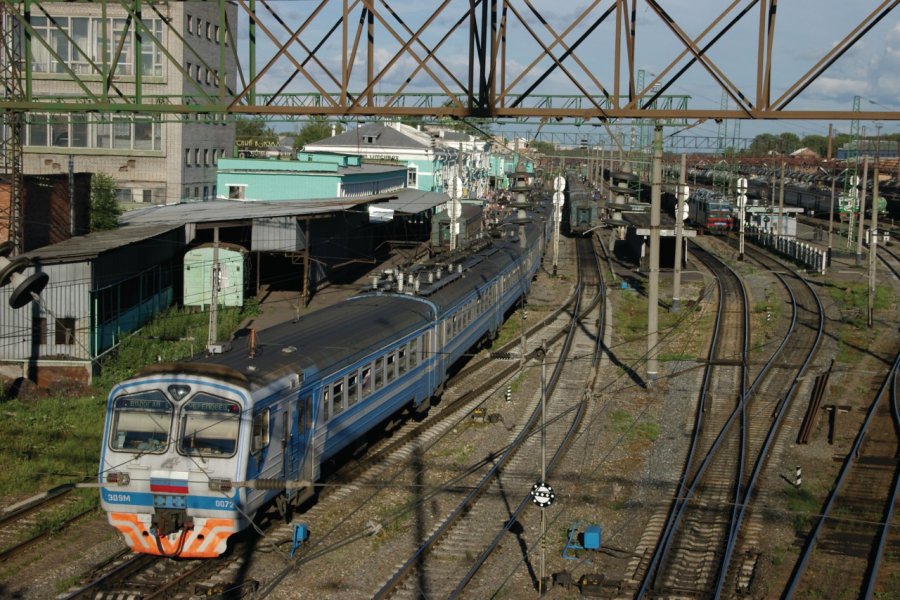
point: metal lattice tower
(853, 149)
(11, 130)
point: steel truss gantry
(372, 46)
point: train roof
(328, 338)
(338, 335)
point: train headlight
(179, 391)
(120, 478)
(220, 485)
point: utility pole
(862, 210)
(781, 230)
(873, 231)
(682, 195)
(211, 345)
(653, 289)
(831, 205)
(742, 214)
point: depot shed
(102, 286)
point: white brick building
(159, 159)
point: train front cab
(173, 448)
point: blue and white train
(193, 450)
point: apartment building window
(217, 34)
(196, 157)
(187, 163)
(190, 23)
(207, 76)
(94, 131)
(208, 30)
(412, 177)
(199, 26)
(206, 157)
(80, 40)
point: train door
(305, 448)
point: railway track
(686, 558)
(855, 539)
(35, 519)
(473, 527)
(713, 520)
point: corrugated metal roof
(89, 246)
(228, 210)
(411, 202)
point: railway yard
(694, 480)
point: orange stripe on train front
(208, 540)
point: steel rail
(574, 426)
(871, 580)
(464, 506)
(408, 565)
(773, 430)
(671, 523)
(849, 463)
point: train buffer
(301, 536)
(588, 539)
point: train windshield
(141, 422)
(719, 207)
(209, 426)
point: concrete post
(679, 225)
(653, 289)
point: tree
(105, 209)
(253, 128)
(542, 147)
(816, 143)
(317, 128)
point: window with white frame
(412, 177)
(80, 130)
(79, 41)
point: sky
(805, 30)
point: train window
(391, 371)
(260, 437)
(426, 346)
(413, 352)
(401, 360)
(337, 398)
(325, 403)
(210, 426)
(379, 373)
(141, 422)
(366, 381)
(351, 389)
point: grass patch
(803, 505)
(622, 422)
(52, 523)
(53, 437)
(854, 301)
(510, 330)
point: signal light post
(742, 213)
